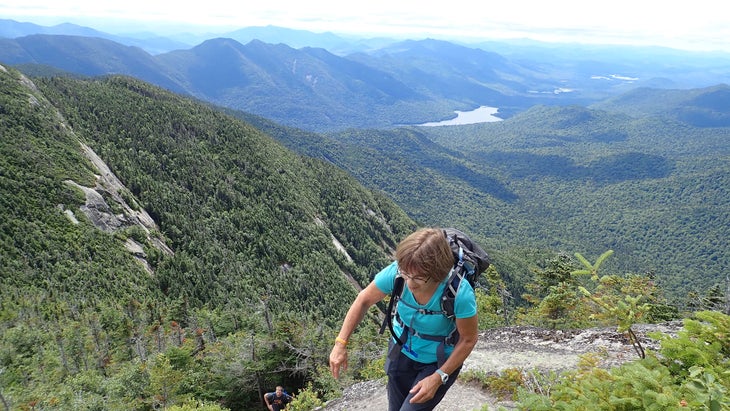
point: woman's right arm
(365, 299)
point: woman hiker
(420, 368)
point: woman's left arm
(468, 336)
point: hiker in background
(417, 380)
(277, 401)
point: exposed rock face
(102, 216)
(96, 207)
(525, 348)
(98, 211)
(108, 182)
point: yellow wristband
(341, 341)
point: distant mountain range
(152, 43)
(323, 82)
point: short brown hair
(426, 252)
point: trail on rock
(524, 348)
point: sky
(691, 25)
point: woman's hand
(425, 389)
(365, 299)
(338, 360)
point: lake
(483, 114)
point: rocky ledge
(525, 348)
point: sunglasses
(421, 280)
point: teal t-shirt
(418, 349)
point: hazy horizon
(698, 26)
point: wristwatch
(444, 376)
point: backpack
(470, 261)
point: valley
(274, 182)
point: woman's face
(416, 281)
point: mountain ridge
(404, 82)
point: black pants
(403, 374)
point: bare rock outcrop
(117, 215)
(105, 205)
(524, 348)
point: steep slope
(528, 349)
(240, 212)
(141, 228)
(49, 245)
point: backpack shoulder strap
(398, 285)
(448, 297)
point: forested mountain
(570, 179)
(261, 246)
(652, 189)
(705, 107)
(275, 80)
(196, 171)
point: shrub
(691, 372)
(305, 400)
(197, 406)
